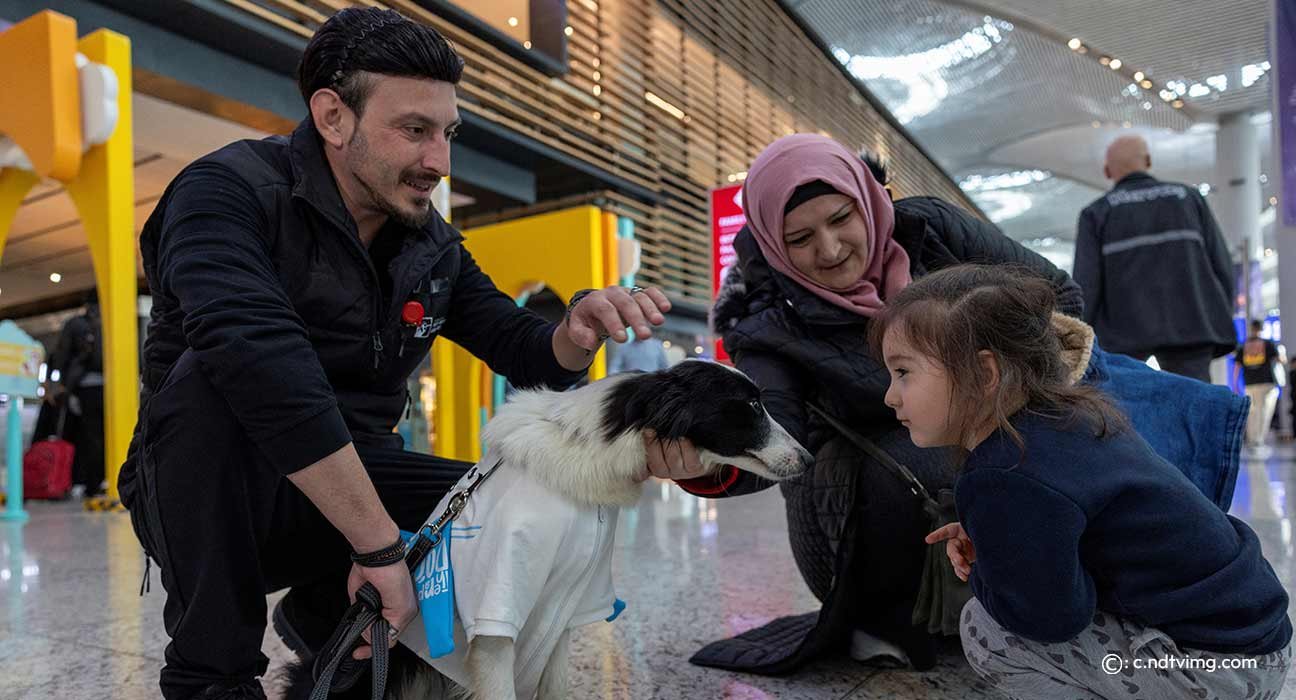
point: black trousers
(1193, 362)
(226, 528)
(88, 462)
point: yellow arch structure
(566, 251)
(42, 113)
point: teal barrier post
(13, 463)
(20, 361)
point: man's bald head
(1125, 155)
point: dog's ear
(654, 401)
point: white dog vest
(527, 564)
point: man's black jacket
(255, 266)
(1155, 269)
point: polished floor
(73, 624)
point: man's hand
(396, 588)
(607, 313)
(958, 547)
(672, 459)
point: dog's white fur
(560, 438)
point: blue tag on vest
(434, 587)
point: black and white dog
(585, 448)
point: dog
(567, 461)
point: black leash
(335, 670)
(888, 462)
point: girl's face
(919, 392)
(827, 240)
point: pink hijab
(795, 160)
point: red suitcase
(47, 467)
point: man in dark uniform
(283, 273)
(1154, 267)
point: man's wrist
(371, 539)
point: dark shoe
(283, 623)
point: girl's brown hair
(952, 315)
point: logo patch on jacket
(429, 327)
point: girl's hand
(958, 547)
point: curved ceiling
(1027, 90)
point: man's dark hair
(1257, 325)
(369, 40)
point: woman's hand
(958, 547)
(672, 459)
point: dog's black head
(715, 407)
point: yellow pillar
(14, 185)
(517, 254)
(104, 194)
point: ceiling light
(1083, 49)
(1074, 44)
(1198, 90)
(1177, 104)
(1263, 178)
(56, 277)
(1146, 84)
(697, 350)
(1116, 64)
(513, 21)
(526, 44)
(597, 90)
(1269, 252)
(666, 344)
(1204, 188)
(1096, 124)
(1138, 76)
(1273, 201)
(1147, 105)
(1127, 125)
(1105, 61)
(569, 31)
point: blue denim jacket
(1194, 426)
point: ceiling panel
(991, 87)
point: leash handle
(339, 671)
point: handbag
(941, 595)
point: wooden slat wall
(741, 72)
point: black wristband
(393, 553)
(576, 299)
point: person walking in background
(642, 354)
(79, 390)
(1154, 267)
(1258, 361)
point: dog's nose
(804, 458)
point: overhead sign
(727, 220)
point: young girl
(1099, 570)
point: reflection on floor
(73, 625)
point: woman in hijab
(823, 250)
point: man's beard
(359, 157)
(381, 203)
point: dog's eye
(756, 406)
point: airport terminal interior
(622, 146)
